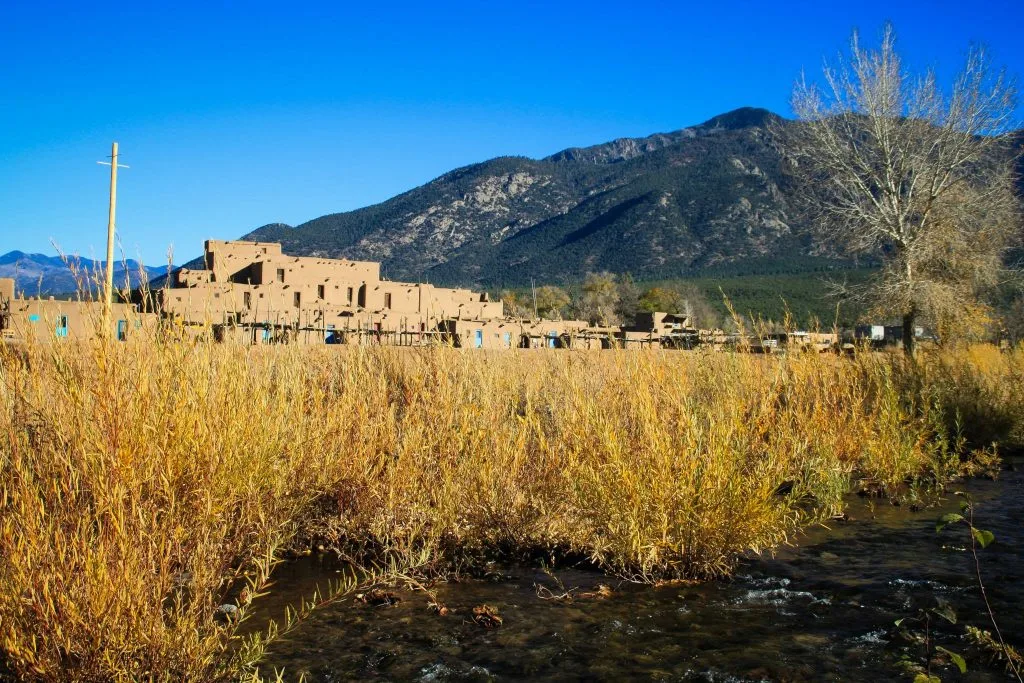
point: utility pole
(108, 285)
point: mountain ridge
(37, 274)
(663, 205)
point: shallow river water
(823, 609)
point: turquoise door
(552, 340)
(122, 330)
(478, 339)
(62, 326)
(508, 340)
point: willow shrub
(145, 483)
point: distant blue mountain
(39, 274)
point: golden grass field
(145, 483)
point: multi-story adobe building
(255, 293)
(254, 290)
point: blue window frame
(552, 340)
(122, 330)
(62, 326)
(34, 318)
(507, 337)
(478, 339)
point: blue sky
(233, 115)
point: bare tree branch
(891, 166)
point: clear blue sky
(233, 115)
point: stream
(821, 609)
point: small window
(387, 300)
(349, 296)
(280, 274)
(320, 291)
(298, 299)
(34, 318)
(246, 299)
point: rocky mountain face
(41, 275)
(711, 197)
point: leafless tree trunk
(896, 166)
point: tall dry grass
(143, 486)
(145, 483)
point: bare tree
(515, 304)
(894, 165)
(599, 299)
(628, 304)
(551, 301)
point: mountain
(711, 196)
(709, 199)
(41, 275)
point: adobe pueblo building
(49, 319)
(253, 293)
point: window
(478, 339)
(34, 318)
(349, 296)
(62, 326)
(280, 274)
(387, 300)
(247, 299)
(122, 330)
(298, 299)
(320, 291)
